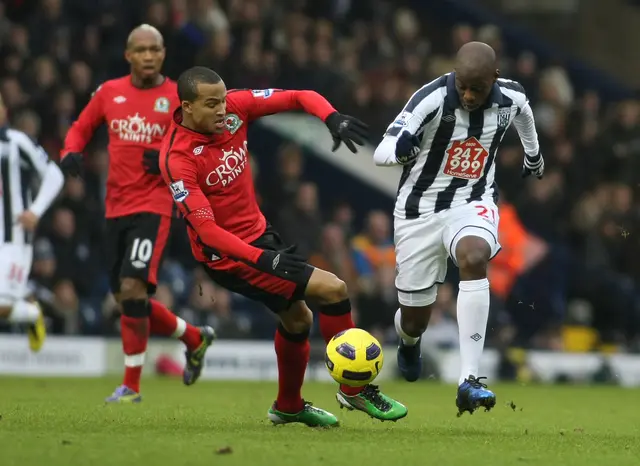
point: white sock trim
(24, 311)
(181, 327)
(408, 340)
(134, 360)
(474, 285)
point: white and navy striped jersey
(458, 148)
(23, 164)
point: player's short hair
(147, 28)
(189, 80)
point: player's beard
(149, 81)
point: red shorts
(276, 293)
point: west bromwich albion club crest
(504, 115)
(161, 105)
(233, 122)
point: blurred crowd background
(569, 273)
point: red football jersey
(210, 178)
(137, 120)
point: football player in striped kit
(22, 162)
(446, 138)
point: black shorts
(276, 293)
(135, 245)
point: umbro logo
(198, 150)
(449, 118)
(120, 99)
(476, 337)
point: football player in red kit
(137, 110)
(204, 160)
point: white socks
(409, 341)
(24, 311)
(473, 315)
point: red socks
(135, 335)
(165, 323)
(334, 318)
(292, 351)
(140, 318)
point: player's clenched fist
(533, 166)
(347, 129)
(283, 264)
(151, 162)
(407, 148)
(71, 164)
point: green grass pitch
(55, 422)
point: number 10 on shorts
(141, 252)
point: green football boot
(310, 416)
(376, 404)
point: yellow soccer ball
(354, 357)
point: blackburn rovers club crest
(161, 105)
(233, 122)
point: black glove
(407, 148)
(151, 162)
(280, 264)
(72, 164)
(347, 129)
(533, 166)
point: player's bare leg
(335, 317)
(411, 323)
(292, 351)
(29, 313)
(472, 255)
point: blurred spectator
(373, 249)
(301, 223)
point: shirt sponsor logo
(233, 165)
(136, 129)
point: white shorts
(15, 265)
(424, 244)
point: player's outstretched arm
(343, 128)
(402, 140)
(525, 124)
(80, 133)
(180, 173)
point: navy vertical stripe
(445, 198)
(6, 200)
(406, 171)
(434, 160)
(25, 191)
(424, 92)
(479, 188)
